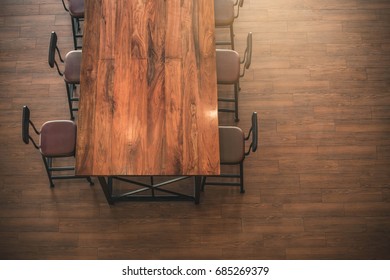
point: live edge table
(148, 104)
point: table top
(148, 103)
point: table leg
(107, 189)
(198, 184)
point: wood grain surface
(149, 93)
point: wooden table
(148, 103)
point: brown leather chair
(57, 139)
(232, 151)
(71, 73)
(224, 14)
(229, 71)
(75, 9)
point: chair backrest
(247, 57)
(63, 3)
(26, 122)
(53, 48)
(239, 4)
(26, 125)
(254, 132)
(255, 136)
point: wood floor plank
(49, 239)
(358, 239)
(273, 225)
(313, 209)
(108, 253)
(67, 253)
(334, 224)
(29, 224)
(75, 225)
(104, 239)
(191, 253)
(300, 239)
(251, 253)
(368, 209)
(322, 253)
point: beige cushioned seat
(231, 144)
(72, 67)
(76, 8)
(58, 138)
(223, 12)
(228, 66)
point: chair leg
(242, 177)
(78, 26)
(47, 167)
(236, 90)
(74, 31)
(69, 92)
(91, 183)
(232, 36)
(77, 32)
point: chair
(229, 73)
(57, 139)
(76, 11)
(224, 14)
(71, 73)
(232, 151)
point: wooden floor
(318, 187)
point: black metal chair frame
(70, 88)
(253, 131)
(246, 62)
(76, 28)
(135, 195)
(238, 4)
(47, 161)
